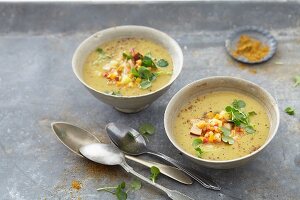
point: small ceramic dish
(222, 83)
(254, 32)
(127, 104)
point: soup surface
(128, 67)
(204, 126)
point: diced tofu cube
(195, 130)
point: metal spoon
(108, 154)
(121, 135)
(74, 137)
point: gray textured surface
(37, 87)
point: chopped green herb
(149, 54)
(297, 80)
(238, 104)
(119, 191)
(99, 50)
(148, 62)
(147, 129)
(196, 145)
(227, 139)
(135, 185)
(196, 142)
(252, 113)
(135, 72)
(238, 117)
(154, 173)
(225, 131)
(145, 84)
(249, 129)
(225, 136)
(290, 110)
(127, 56)
(162, 63)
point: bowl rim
(173, 42)
(222, 161)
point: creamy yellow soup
(216, 102)
(93, 66)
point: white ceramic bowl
(210, 84)
(127, 104)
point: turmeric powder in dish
(251, 49)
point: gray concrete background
(37, 86)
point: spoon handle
(175, 195)
(200, 178)
(169, 171)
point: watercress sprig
(154, 173)
(239, 117)
(196, 145)
(120, 190)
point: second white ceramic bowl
(127, 104)
(224, 83)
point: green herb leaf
(196, 142)
(135, 185)
(239, 104)
(99, 50)
(154, 173)
(145, 84)
(227, 139)
(225, 131)
(127, 56)
(290, 110)
(162, 63)
(135, 72)
(147, 129)
(120, 192)
(144, 73)
(148, 62)
(249, 129)
(196, 145)
(297, 80)
(228, 109)
(252, 113)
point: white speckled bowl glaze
(210, 84)
(127, 104)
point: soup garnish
(129, 66)
(225, 126)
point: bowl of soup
(221, 122)
(128, 67)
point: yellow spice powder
(250, 48)
(76, 185)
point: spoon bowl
(126, 138)
(72, 136)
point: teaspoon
(108, 154)
(131, 142)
